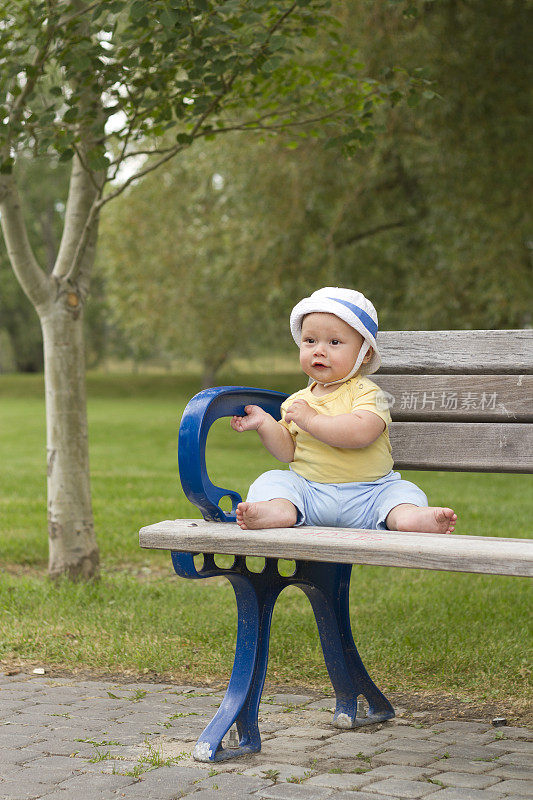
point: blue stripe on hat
(365, 318)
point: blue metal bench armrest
(200, 413)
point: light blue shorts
(338, 505)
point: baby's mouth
(319, 365)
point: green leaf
(116, 6)
(184, 138)
(6, 167)
(97, 159)
(70, 115)
(138, 10)
(66, 155)
(146, 48)
(168, 18)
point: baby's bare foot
(246, 515)
(278, 513)
(422, 519)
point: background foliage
(432, 221)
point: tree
(100, 84)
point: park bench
(460, 401)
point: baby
(334, 433)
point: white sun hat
(350, 306)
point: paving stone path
(68, 739)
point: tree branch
(18, 106)
(31, 277)
(86, 185)
(78, 217)
(401, 223)
(85, 166)
(257, 124)
(80, 13)
(79, 245)
(150, 168)
(81, 215)
(134, 153)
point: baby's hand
(255, 415)
(301, 413)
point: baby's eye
(309, 340)
(335, 341)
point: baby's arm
(274, 436)
(355, 429)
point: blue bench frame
(325, 584)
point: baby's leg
(401, 505)
(277, 513)
(274, 501)
(428, 519)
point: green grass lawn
(416, 630)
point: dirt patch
(431, 707)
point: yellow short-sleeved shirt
(323, 463)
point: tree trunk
(211, 367)
(73, 549)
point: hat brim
(324, 305)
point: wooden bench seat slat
(458, 398)
(462, 446)
(480, 554)
(459, 352)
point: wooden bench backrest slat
(458, 398)
(459, 352)
(462, 446)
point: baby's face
(329, 347)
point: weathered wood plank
(463, 446)
(492, 351)
(458, 398)
(480, 554)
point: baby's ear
(368, 355)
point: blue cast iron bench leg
(325, 584)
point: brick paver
(348, 780)
(66, 739)
(468, 794)
(392, 787)
(465, 780)
(518, 788)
